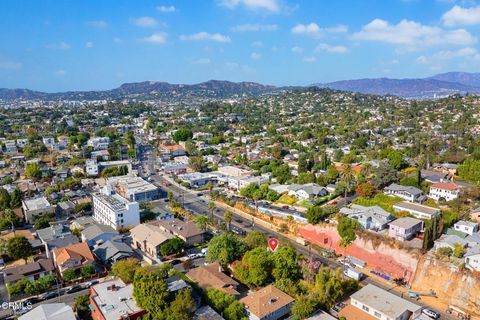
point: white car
(430, 313)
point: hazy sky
(99, 44)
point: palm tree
(211, 206)
(227, 216)
(347, 177)
(367, 170)
(210, 188)
(202, 221)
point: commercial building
(133, 188)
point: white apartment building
(91, 167)
(115, 211)
(444, 190)
(99, 143)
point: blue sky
(92, 45)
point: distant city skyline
(57, 46)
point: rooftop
(384, 301)
(37, 203)
(114, 299)
(211, 276)
(114, 202)
(445, 186)
(133, 184)
(416, 207)
(406, 222)
(266, 300)
(50, 311)
(185, 229)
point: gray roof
(206, 313)
(451, 239)
(384, 301)
(95, 230)
(50, 311)
(65, 205)
(309, 188)
(62, 242)
(111, 248)
(362, 213)
(175, 283)
(409, 189)
(473, 251)
(467, 224)
(53, 232)
(406, 222)
(37, 203)
(416, 207)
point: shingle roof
(79, 251)
(210, 276)
(266, 300)
(50, 311)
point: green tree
(218, 299)
(150, 291)
(303, 307)
(125, 269)
(315, 214)
(182, 134)
(225, 248)
(4, 199)
(235, 311)
(228, 216)
(255, 239)
(346, 229)
(19, 247)
(211, 207)
(458, 250)
(347, 177)
(32, 170)
(202, 221)
(285, 265)
(173, 245)
(16, 199)
(87, 271)
(254, 269)
(81, 307)
(69, 274)
(182, 307)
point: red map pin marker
(273, 244)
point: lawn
(285, 198)
(381, 200)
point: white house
(115, 211)
(91, 167)
(307, 191)
(466, 227)
(408, 193)
(417, 210)
(48, 141)
(99, 143)
(444, 190)
(384, 305)
(472, 258)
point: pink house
(405, 228)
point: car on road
(50, 295)
(285, 207)
(238, 231)
(193, 256)
(74, 288)
(32, 300)
(91, 283)
(431, 314)
(175, 262)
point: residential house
(115, 211)
(113, 300)
(148, 238)
(417, 210)
(82, 222)
(206, 313)
(91, 167)
(48, 141)
(408, 193)
(50, 311)
(175, 168)
(405, 228)
(72, 257)
(475, 214)
(112, 251)
(30, 271)
(97, 233)
(99, 143)
(240, 182)
(212, 276)
(65, 208)
(36, 207)
(449, 241)
(173, 151)
(307, 191)
(472, 258)
(371, 218)
(268, 303)
(449, 168)
(185, 230)
(374, 302)
(234, 171)
(444, 191)
(466, 227)
(56, 236)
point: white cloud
(257, 44)
(330, 49)
(464, 54)
(254, 27)
(156, 38)
(309, 59)
(297, 49)
(313, 29)
(144, 22)
(10, 65)
(202, 36)
(60, 73)
(256, 5)
(201, 61)
(58, 46)
(412, 34)
(255, 56)
(89, 44)
(97, 24)
(166, 9)
(461, 16)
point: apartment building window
(365, 308)
(377, 314)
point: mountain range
(437, 86)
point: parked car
(175, 262)
(32, 300)
(74, 288)
(285, 207)
(238, 231)
(91, 283)
(50, 295)
(430, 313)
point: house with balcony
(404, 229)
